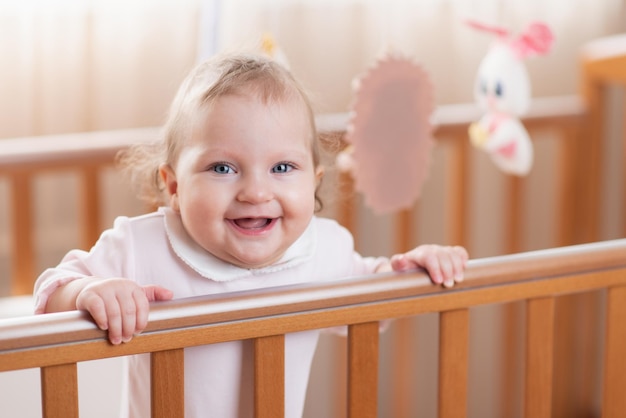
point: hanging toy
(389, 135)
(270, 48)
(502, 90)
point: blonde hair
(242, 74)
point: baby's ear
(319, 173)
(168, 176)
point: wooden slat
(167, 384)
(592, 160)
(402, 362)
(457, 192)
(453, 363)
(512, 347)
(59, 391)
(614, 400)
(346, 204)
(515, 187)
(90, 207)
(589, 319)
(623, 168)
(568, 184)
(403, 238)
(22, 234)
(624, 159)
(269, 377)
(363, 370)
(539, 357)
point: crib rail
(56, 342)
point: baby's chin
(251, 263)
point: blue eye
(222, 169)
(282, 168)
(499, 90)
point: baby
(236, 173)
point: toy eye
(499, 90)
(483, 87)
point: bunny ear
(537, 39)
(499, 31)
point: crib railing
(57, 342)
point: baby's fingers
(454, 265)
(116, 322)
(105, 311)
(94, 304)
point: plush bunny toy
(502, 90)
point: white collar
(211, 267)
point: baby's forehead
(295, 103)
(287, 109)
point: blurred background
(92, 65)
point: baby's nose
(255, 189)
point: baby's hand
(120, 306)
(445, 265)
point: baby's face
(244, 183)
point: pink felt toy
(390, 134)
(502, 90)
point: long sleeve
(111, 256)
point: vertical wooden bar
(22, 248)
(346, 211)
(403, 355)
(453, 363)
(588, 320)
(346, 216)
(340, 381)
(568, 183)
(363, 370)
(458, 187)
(539, 357)
(403, 240)
(614, 400)
(402, 346)
(512, 346)
(167, 384)
(511, 312)
(59, 391)
(591, 167)
(90, 206)
(624, 159)
(566, 360)
(269, 377)
(515, 220)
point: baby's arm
(444, 264)
(120, 306)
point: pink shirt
(155, 249)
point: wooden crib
(56, 342)
(532, 285)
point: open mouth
(253, 224)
